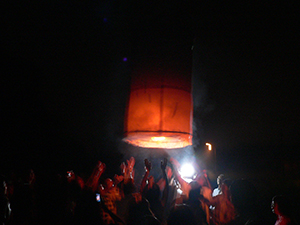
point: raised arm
(185, 187)
(163, 166)
(148, 167)
(129, 170)
(93, 180)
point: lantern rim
(170, 140)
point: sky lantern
(160, 110)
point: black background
(65, 83)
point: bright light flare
(209, 146)
(162, 138)
(187, 170)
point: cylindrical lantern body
(159, 111)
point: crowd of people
(170, 200)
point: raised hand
(148, 165)
(101, 167)
(123, 167)
(93, 180)
(128, 168)
(130, 164)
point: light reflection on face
(273, 206)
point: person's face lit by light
(274, 207)
(220, 179)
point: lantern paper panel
(159, 117)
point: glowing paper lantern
(159, 111)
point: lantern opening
(169, 140)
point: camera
(98, 198)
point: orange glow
(159, 113)
(146, 140)
(209, 147)
(158, 138)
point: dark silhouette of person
(149, 220)
(132, 207)
(281, 206)
(194, 202)
(24, 199)
(5, 211)
(87, 210)
(181, 215)
(151, 191)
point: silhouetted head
(149, 220)
(181, 215)
(220, 179)
(129, 187)
(3, 185)
(194, 194)
(281, 205)
(152, 193)
(225, 187)
(108, 183)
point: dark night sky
(65, 83)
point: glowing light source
(160, 110)
(159, 118)
(187, 170)
(158, 138)
(209, 146)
